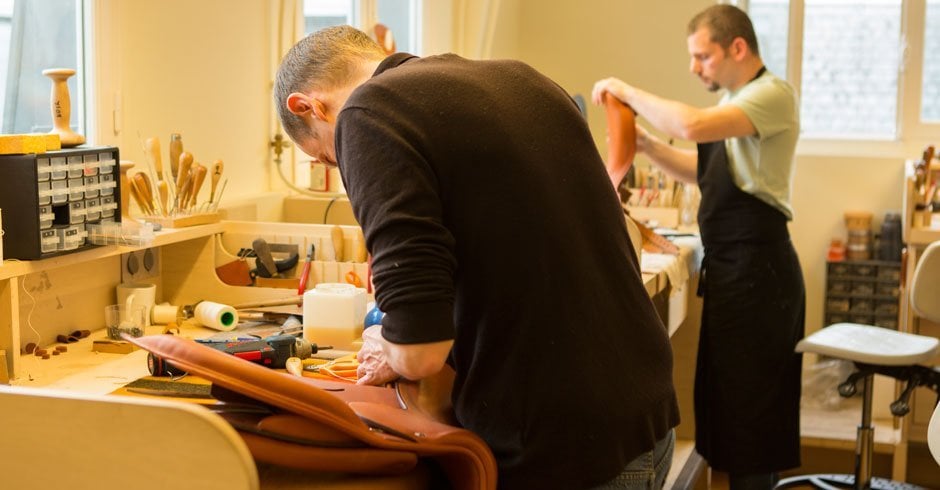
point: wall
(644, 43)
(202, 69)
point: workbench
(70, 291)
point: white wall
(204, 67)
(644, 43)
(199, 68)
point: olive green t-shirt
(762, 164)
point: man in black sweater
(498, 247)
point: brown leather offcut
(321, 425)
(621, 133)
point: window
(400, 16)
(930, 109)
(35, 36)
(325, 13)
(6, 25)
(771, 21)
(849, 60)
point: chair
(53, 438)
(876, 350)
(79, 441)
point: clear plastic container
(334, 314)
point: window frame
(910, 130)
(80, 106)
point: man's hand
(613, 86)
(644, 141)
(373, 362)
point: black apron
(747, 380)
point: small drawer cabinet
(48, 199)
(863, 291)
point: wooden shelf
(923, 236)
(15, 268)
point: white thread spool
(216, 315)
(165, 314)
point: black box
(48, 198)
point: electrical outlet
(140, 265)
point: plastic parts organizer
(56, 196)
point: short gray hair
(726, 22)
(323, 60)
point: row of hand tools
(175, 192)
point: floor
(922, 469)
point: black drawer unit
(48, 199)
(863, 291)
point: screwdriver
(306, 271)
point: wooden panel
(9, 323)
(685, 353)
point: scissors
(343, 368)
(354, 279)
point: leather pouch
(321, 425)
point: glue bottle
(333, 315)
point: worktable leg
(10, 323)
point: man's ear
(739, 48)
(299, 104)
(304, 105)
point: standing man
(498, 246)
(747, 388)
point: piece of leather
(348, 414)
(621, 132)
(234, 273)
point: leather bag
(321, 425)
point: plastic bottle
(333, 315)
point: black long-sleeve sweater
(492, 222)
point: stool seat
(870, 345)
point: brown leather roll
(621, 133)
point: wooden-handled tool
(152, 145)
(336, 234)
(217, 168)
(183, 197)
(361, 254)
(182, 177)
(176, 148)
(164, 192)
(184, 164)
(621, 132)
(138, 185)
(139, 200)
(199, 176)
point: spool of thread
(859, 245)
(216, 315)
(165, 314)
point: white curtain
(43, 35)
(474, 27)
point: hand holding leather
(373, 362)
(612, 86)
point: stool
(874, 350)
